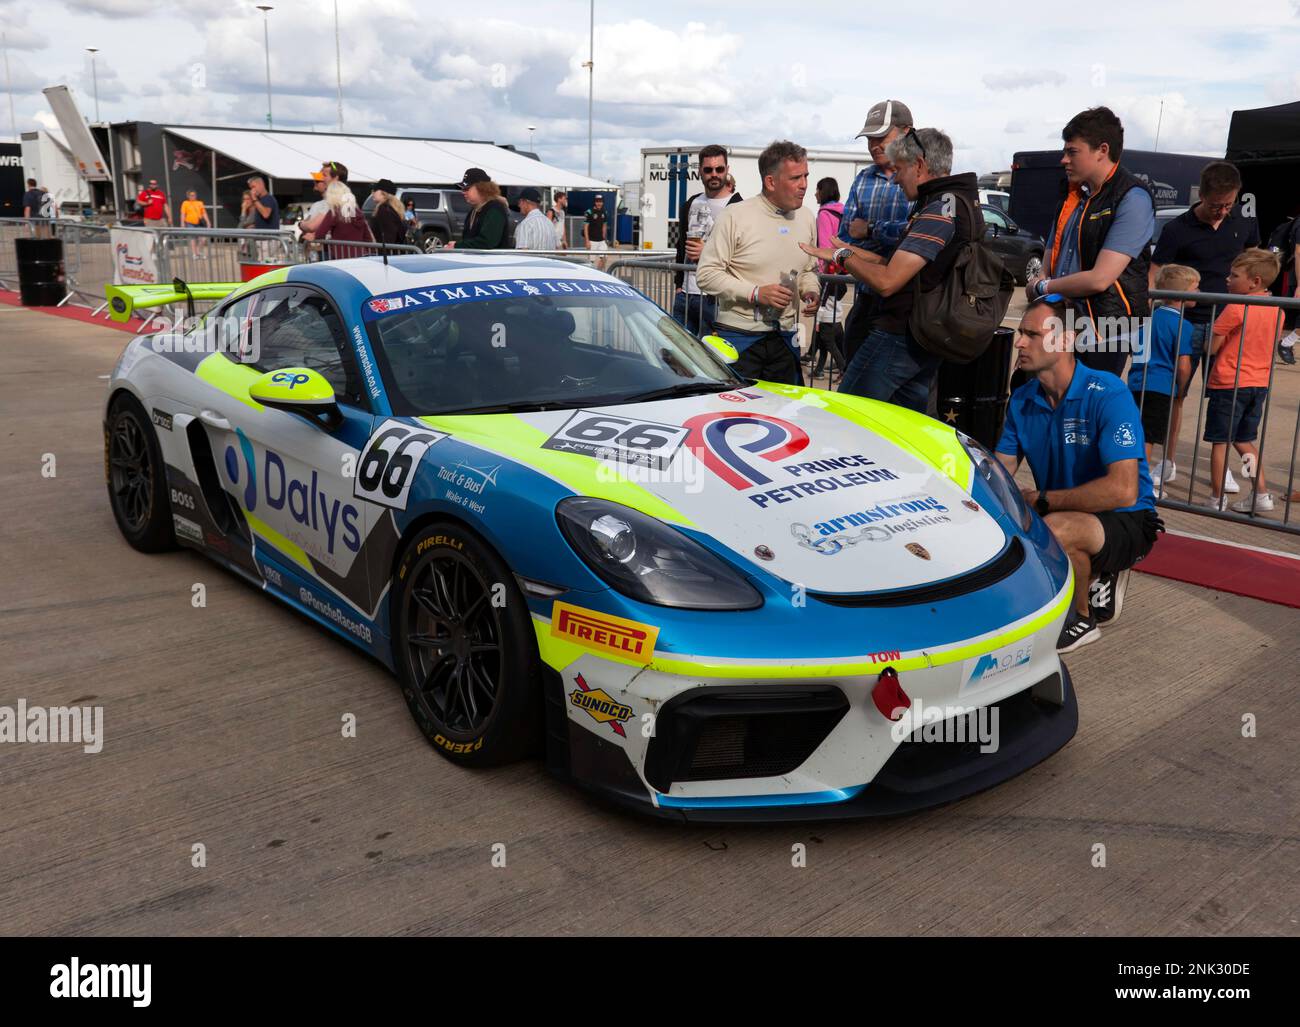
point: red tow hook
(889, 697)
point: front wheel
(137, 478)
(433, 242)
(464, 649)
(1033, 267)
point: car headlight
(1003, 485)
(648, 561)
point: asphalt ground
(222, 730)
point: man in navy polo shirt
(1082, 434)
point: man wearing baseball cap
(535, 231)
(330, 171)
(876, 211)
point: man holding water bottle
(753, 264)
(691, 308)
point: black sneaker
(1078, 632)
(1287, 353)
(1106, 596)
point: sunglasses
(911, 134)
(714, 171)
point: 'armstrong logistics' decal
(627, 639)
(504, 288)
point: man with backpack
(1284, 240)
(898, 360)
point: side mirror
(298, 390)
(723, 348)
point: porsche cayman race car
(569, 528)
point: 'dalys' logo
(712, 439)
(307, 502)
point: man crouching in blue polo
(1081, 432)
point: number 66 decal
(387, 465)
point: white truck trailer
(669, 174)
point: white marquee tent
(295, 155)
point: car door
(292, 475)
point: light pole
(266, 10)
(94, 78)
(531, 130)
(338, 64)
(590, 65)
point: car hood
(833, 493)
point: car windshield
(527, 344)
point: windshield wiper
(533, 406)
(681, 389)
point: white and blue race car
(569, 528)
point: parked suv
(441, 212)
(1021, 251)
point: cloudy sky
(999, 77)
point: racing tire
(137, 478)
(464, 649)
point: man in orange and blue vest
(1097, 248)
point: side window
(992, 216)
(300, 328)
(232, 330)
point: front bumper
(792, 750)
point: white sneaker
(1230, 483)
(1248, 465)
(1263, 503)
(1213, 503)
(1168, 471)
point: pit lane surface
(222, 729)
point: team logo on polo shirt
(1124, 435)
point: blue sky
(997, 76)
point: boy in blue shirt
(1164, 353)
(1081, 432)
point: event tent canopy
(295, 155)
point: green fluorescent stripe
(928, 440)
(513, 437)
(233, 379)
(701, 667)
(290, 549)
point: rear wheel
(137, 478)
(432, 242)
(464, 649)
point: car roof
(414, 271)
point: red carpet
(1270, 576)
(76, 314)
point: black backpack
(1283, 241)
(956, 319)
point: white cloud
(637, 62)
(1023, 79)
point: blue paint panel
(754, 801)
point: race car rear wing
(123, 300)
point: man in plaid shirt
(876, 212)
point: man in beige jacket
(753, 264)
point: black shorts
(1129, 536)
(1155, 416)
(1234, 419)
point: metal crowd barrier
(1277, 409)
(656, 279)
(217, 254)
(338, 249)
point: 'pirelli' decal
(628, 639)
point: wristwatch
(1042, 505)
(842, 255)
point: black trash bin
(973, 397)
(41, 281)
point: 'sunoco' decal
(600, 706)
(708, 440)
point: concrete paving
(222, 729)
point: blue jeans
(772, 356)
(892, 368)
(695, 312)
